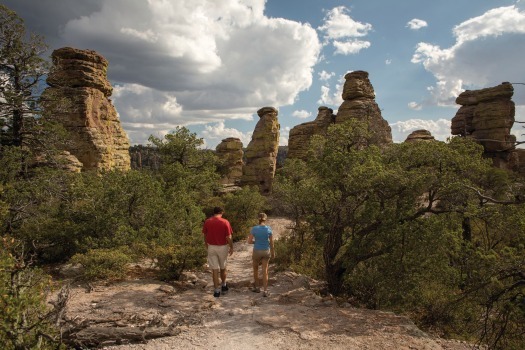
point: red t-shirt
(216, 229)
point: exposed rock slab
(261, 153)
(301, 135)
(98, 140)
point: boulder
(231, 154)
(300, 135)
(420, 135)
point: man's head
(218, 210)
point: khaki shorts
(217, 256)
(260, 255)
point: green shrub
(172, 260)
(103, 263)
(241, 209)
(26, 320)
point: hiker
(262, 239)
(217, 237)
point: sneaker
(216, 294)
(266, 293)
(256, 290)
(224, 289)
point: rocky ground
(147, 314)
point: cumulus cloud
(415, 106)
(416, 24)
(484, 55)
(215, 133)
(440, 128)
(388, 62)
(332, 98)
(209, 57)
(301, 114)
(324, 75)
(341, 30)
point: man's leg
(215, 274)
(223, 276)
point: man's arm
(230, 243)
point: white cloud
(213, 134)
(329, 98)
(203, 60)
(301, 114)
(350, 47)
(284, 135)
(440, 128)
(416, 24)
(415, 106)
(324, 75)
(486, 53)
(388, 62)
(340, 29)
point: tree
(22, 70)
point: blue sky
(210, 65)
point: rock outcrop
(261, 153)
(487, 115)
(97, 138)
(301, 135)
(231, 154)
(420, 135)
(359, 103)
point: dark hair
(218, 210)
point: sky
(209, 65)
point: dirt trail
(294, 316)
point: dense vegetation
(431, 230)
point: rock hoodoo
(261, 153)
(359, 103)
(97, 138)
(230, 153)
(300, 135)
(487, 115)
(420, 135)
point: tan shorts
(260, 255)
(217, 256)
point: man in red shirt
(217, 237)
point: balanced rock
(261, 153)
(420, 135)
(487, 115)
(359, 103)
(97, 138)
(231, 154)
(301, 135)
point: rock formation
(261, 153)
(487, 115)
(359, 103)
(97, 138)
(420, 135)
(230, 153)
(301, 135)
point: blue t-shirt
(262, 234)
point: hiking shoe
(256, 290)
(224, 289)
(216, 294)
(266, 293)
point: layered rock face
(97, 138)
(420, 135)
(301, 135)
(261, 153)
(230, 153)
(359, 103)
(487, 115)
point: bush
(241, 209)
(26, 322)
(103, 263)
(174, 259)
